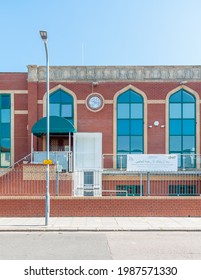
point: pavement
(102, 224)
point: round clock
(95, 102)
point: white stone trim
(21, 112)
(115, 73)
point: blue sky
(100, 32)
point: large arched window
(182, 127)
(5, 130)
(130, 123)
(61, 104)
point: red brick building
(144, 121)
(125, 109)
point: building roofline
(116, 73)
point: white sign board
(150, 163)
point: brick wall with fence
(22, 194)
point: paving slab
(102, 224)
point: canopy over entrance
(58, 125)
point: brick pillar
(156, 133)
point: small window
(129, 190)
(182, 190)
(88, 183)
(5, 159)
(88, 178)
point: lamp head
(43, 35)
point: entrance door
(59, 143)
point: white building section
(87, 164)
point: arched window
(130, 123)
(182, 127)
(5, 130)
(61, 104)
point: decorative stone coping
(115, 73)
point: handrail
(18, 162)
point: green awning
(58, 125)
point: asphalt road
(100, 245)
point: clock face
(95, 102)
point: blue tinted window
(130, 123)
(5, 145)
(123, 127)
(137, 144)
(124, 97)
(175, 111)
(61, 105)
(188, 111)
(5, 130)
(176, 97)
(136, 111)
(5, 115)
(55, 97)
(66, 98)
(5, 101)
(189, 143)
(135, 98)
(123, 144)
(187, 97)
(188, 127)
(175, 143)
(55, 110)
(123, 111)
(175, 127)
(136, 127)
(182, 126)
(66, 110)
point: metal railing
(26, 159)
(63, 159)
(25, 181)
(122, 183)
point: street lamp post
(43, 35)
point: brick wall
(13, 81)
(107, 206)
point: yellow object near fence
(47, 161)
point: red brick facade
(29, 104)
(155, 84)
